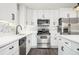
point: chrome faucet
(17, 28)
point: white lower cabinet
(75, 47)
(10, 49)
(28, 43)
(67, 47)
(68, 51)
(54, 41)
(60, 46)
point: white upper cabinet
(52, 15)
(8, 12)
(29, 16)
(43, 14)
(25, 15)
(22, 17)
(39, 14)
(68, 12)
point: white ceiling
(49, 6)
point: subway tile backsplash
(6, 28)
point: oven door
(43, 39)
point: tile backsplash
(7, 28)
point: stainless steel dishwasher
(22, 46)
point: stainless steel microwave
(43, 21)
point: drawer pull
(62, 48)
(55, 38)
(77, 49)
(66, 42)
(13, 16)
(28, 41)
(11, 48)
(59, 39)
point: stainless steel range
(43, 35)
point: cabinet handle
(59, 39)
(55, 38)
(77, 49)
(28, 41)
(11, 47)
(66, 42)
(62, 48)
(13, 16)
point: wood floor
(43, 51)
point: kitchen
(39, 29)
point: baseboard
(50, 47)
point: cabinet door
(29, 16)
(60, 46)
(64, 47)
(28, 43)
(55, 17)
(22, 17)
(40, 14)
(34, 40)
(65, 12)
(47, 14)
(54, 40)
(68, 51)
(75, 46)
(64, 50)
(10, 49)
(8, 12)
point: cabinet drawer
(75, 47)
(67, 42)
(69, 51)
(16, 52)
(8, 49)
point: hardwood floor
(43, 51)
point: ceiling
(49, 6)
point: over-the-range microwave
(43, 21)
